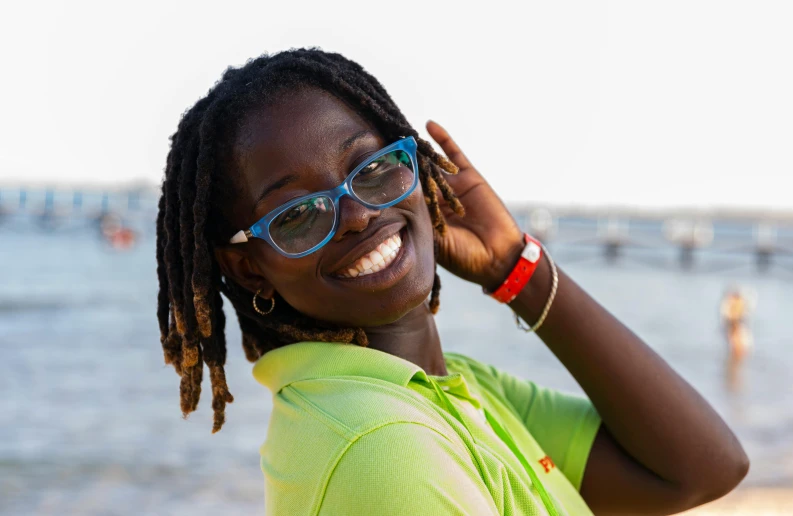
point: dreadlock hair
(191, 220)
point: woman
(298, 190)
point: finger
(450, 148)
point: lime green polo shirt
(357, 431)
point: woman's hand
(483, 246)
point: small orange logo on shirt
(547, 464)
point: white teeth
(377, 260)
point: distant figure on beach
(115, 233)
(734, 309)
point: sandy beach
(751, 502)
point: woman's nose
(354, 217)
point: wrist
(531, 300)
(502, 266)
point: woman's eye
(295, 212)
(371, 167)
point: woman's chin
(356, 309)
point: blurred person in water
(734, 309)
(297, 189)
(113, 231)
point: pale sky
(658, 104)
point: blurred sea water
(89, 415)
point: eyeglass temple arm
(241, 236)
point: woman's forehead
(299, 122)
(303, 135)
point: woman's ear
(235, 265)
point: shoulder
(405, 468)
(315, 423)
(351, 406)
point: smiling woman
(297, 180)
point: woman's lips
(388, 275)
(381, 257)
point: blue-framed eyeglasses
(303, 225)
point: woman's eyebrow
(286, 180)
(349, 142)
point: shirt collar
(310, 360)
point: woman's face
(305, 142)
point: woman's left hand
(483, 246)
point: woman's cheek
(286, 274)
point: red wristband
(521, 274)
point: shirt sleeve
(564, 425)
(405, 468)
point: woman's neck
(414, 337)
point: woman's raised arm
(662, 448)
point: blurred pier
(69, 207)
(616, 234)
(59, 201)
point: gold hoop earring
(272, 303)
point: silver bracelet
(554, 287)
